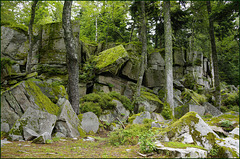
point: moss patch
(40, 99)
(181, 145)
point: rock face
(19, 98)
(190, 129)
(143, 115)
(35, 120)
(90, 122)
(211, 109)
(189, 152)
(67, 122)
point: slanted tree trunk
(30, 32)
(143, 56)
(168, 55)
(214, 59)
(72, 58)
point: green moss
(18, 27)
(34, 74)
(221, 152)
(40, 99)
(123, 99)
(151, 96)
(133, 117)
(180, 111)
(80, 116)
(215, 121)
(167, 111)
(17, 128)
(198, 98)
(110, 56)
(181, 145)
(81, 132)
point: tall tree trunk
(96, 37)
(30, 32)
(72, 58)
(143, 56)
(214, 59)
(132, 29)
(168, 55)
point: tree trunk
(96, 36)
(214, 59)
(168, 55)
(132, 29)
(30, 32)
(143, 56)
(72, 59)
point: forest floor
(70, 148)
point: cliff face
(49, 58)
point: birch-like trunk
(168, 56)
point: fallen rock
(178, 85)
(211, 109)
(234, 133)
(219, 130)
(4, 127)
(90, 122)
(29, 134)
(230, 146)
(59, 134)
(189, 152)
(143, 115)
(120, 111)
(111, 60)
(146, 106)
(107, 116)
(190, 129)
(36, 120)
(158, 117)
(43, 139)
(89, 139)
(196, 108)
(68, 122)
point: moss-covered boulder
(36, 120)
(190, 129)
(111, 60)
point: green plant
(123, 99)
(226, 123)
(147, 144)
(223, 109)
(129, 135)
(48, 141)
(55, 139)
(232, 99)
(167, 111)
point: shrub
(123, 99)
(91, 107)
(223, 109)
(232, 99)
(147, 144)
(129, 135)
(167, 111)
(225, 123)
(96, 103)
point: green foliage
(129, 135)
(226, 123)
(232, 99)
(96, 102)
(50, 71)
(167, 111)
(6, 61)
(147, 140)
(123, 99)
(87, 72)
(190, 94)
(189, 81)
(180, 145)
(55, 139)
(150, 96)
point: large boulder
(190, 129)
(139, 118)
(36, 120)
(132, 69)
(211, 109)
(68, 122)
(120, 111)
(20, 97)
(111, 60)
(188, 152)
(90, 122)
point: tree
(214, 59)
(168, 56)
(30, 32)
(72, 58)
(144, 54)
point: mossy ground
(70, 148)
